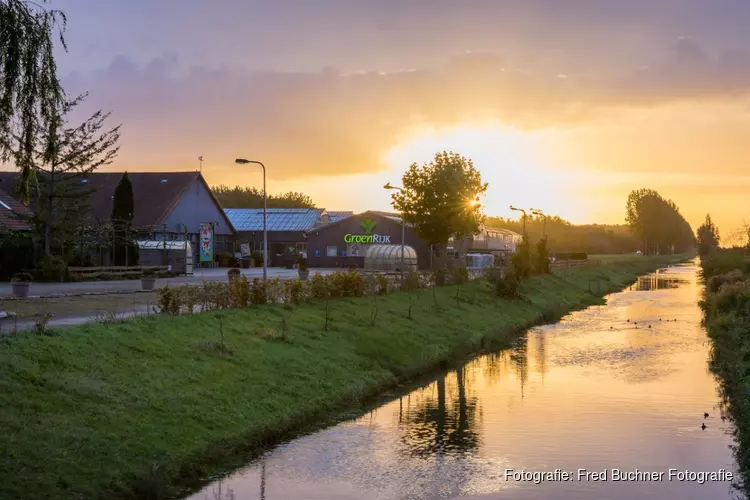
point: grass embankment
(726, 307)
(150, 406)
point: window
(332, 251)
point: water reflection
(658, 281)
(444, 421)
(618, 386)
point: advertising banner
(207, 242)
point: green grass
(147, 408)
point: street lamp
(524, 217)
(403, 231)
(538, 212)
(242, 161)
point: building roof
(383, 215)
(280, 219)
(14, 216)
(155, 194)
(502, 230)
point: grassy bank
(726, 307)
(147, 407)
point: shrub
(234, 273)
(225, 259)
(382, 284)
(715, 283)
(52, 269)
(293, 292)
(319, 287)
(22, 277)
(411, 282)
(459, 275)
(213, 295)
(439, 275)
(169, 301)
(259, 292)
(275, 291)
(239, 291)
(189, 297)
(346, 284)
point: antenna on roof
(200, 168)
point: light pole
(242, 161)
(524, 217)
(538, 212)
(403, 230)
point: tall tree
(708, 237)
(70, 153)
(30, 92)
(244, 197)
(657, 223)
(123, 207)
(440, 198)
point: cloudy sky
(564, 105)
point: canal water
(621, 387)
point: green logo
(367, 225)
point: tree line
(251, 197)
(657, 223)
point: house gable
(194, 206)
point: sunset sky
(564, 105)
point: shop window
(332, 251)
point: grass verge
(148, 407)
(726, 307)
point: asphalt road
(200, 275)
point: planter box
(148, 283)
(304, 275)
(21, 289)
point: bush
(293, 292)
(234, 273)
(319, 287)
(346, 284)
(239, 291)
(509, 286)
(52, 269)
(521, 259)
(439, 276)
(459, 275)
(169, 301)
(715, 283)
(22, 277)
(259, 292)
(411, 282)
(382, 284)
(225, 259)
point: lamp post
(538, 212)
(242, 161)
(524, 217)
(403, 230)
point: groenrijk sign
(367, 238)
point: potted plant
(20, 284)
(302, 270)
(148, 279)
(233, 274)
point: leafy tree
(521, 258)
(70, 153)
(244, 197)
(439, 198)
(123, 208)
(30, 92)
(657, 223)
(708, 237)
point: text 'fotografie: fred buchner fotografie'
(617, 475)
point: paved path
(134, 285)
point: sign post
(207, 242)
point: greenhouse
(388, 258)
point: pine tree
(123, 208)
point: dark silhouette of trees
(30, 93)
(440, 199)
(123, 208)
(563, 236)
(244, 197)
(708, 237)
(657, 223)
